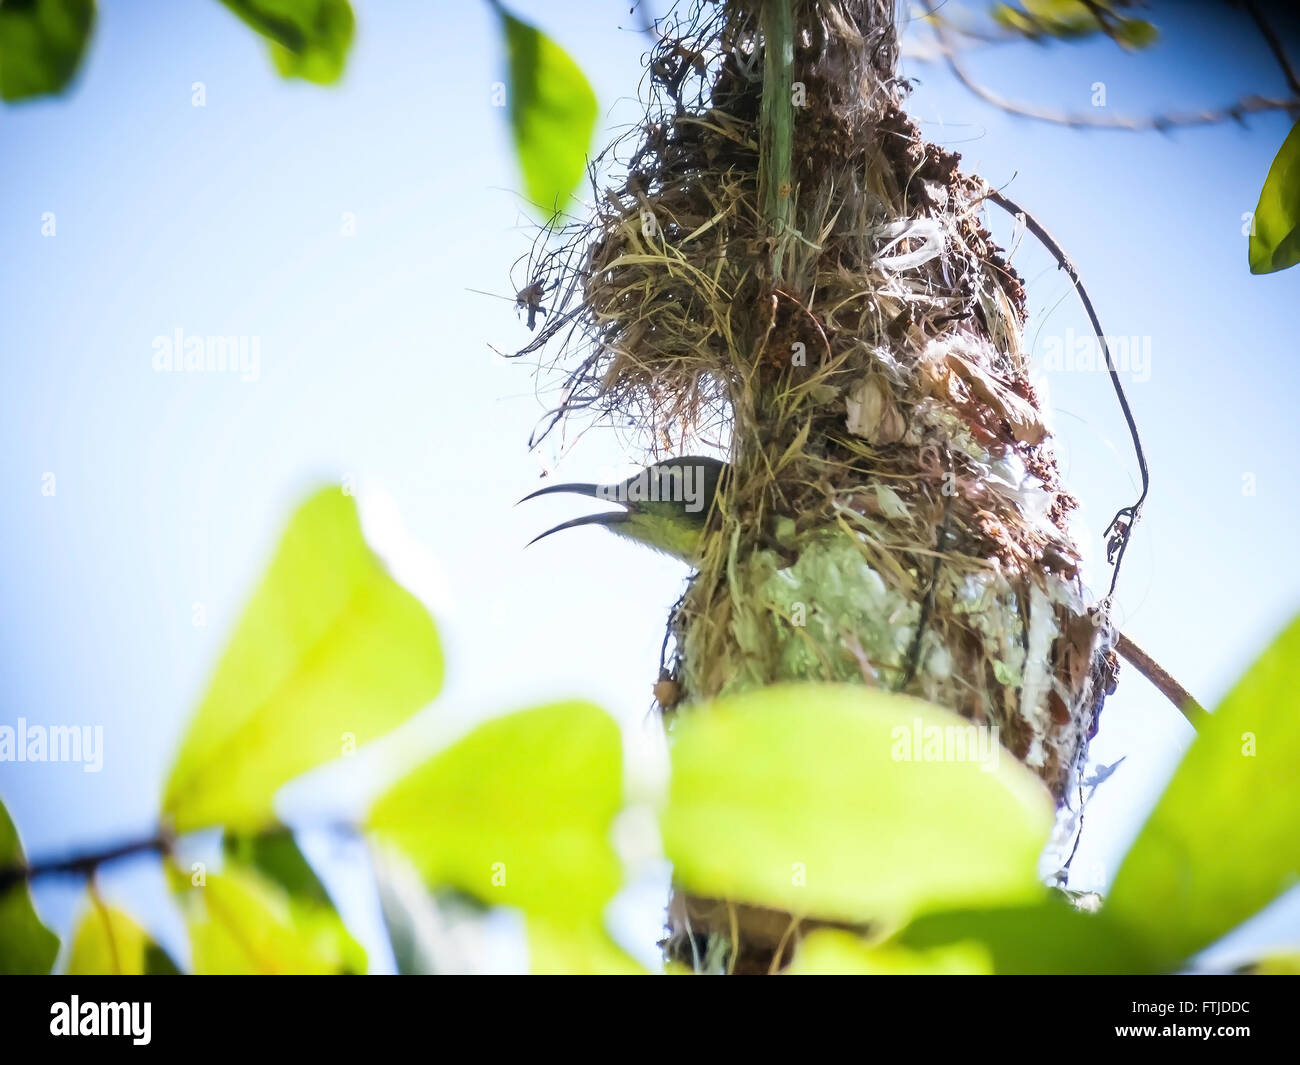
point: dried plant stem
(776, 127)
(1160, 677)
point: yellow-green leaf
(107, 942)
(42, 43)
(1224, 839)
(1047, 936)
(309, 38)
(242, 923)
(576, 950)
(26, 945)
(821, 800)
(1275, 236)
(552, 110)
(518, 813)
(276, 855)
(828, 952)
(330, 653)
(1275, 965)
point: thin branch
(1275, 44)
(163, 843)
(86, 863)
(1161, 679)
(1121, 526)
(1235, 112)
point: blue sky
(376, 363)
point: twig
(1275, 44)
(163, 842)
(1161, 679)
(1235, 112)
(85, 863)
(1121, 526)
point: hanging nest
(896, 517)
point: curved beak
(591, 490)
(573, 523)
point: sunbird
(666, 505)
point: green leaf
(309, 38)
(276, 855)
(277, 858)
(1275, 240)
(798, 797)
(1275, 965)
(108, 942)
(552, 110)
(1223, 840)
(157, 962)
(1135, 33)
(1072, 19)
(518, 813)
(1044, 937)
(581, 950)
(240, 922)
(829, 952)
(331, 652)
(42, 43)
(26, 945)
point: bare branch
(1235, 112)
(1275, 44)
(1160, 677)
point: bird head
(666, 506)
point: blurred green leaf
(828, 952)
(42, 43)
(518, 813)
(240, 922)
(1070, 19)
(1135, 33)
(277, 856)
(791, 797)
(309, 38)
(157, 962)
(107, 942)
(581, 950)
(1275, 239)
(552, 110)
(26, 945)
(1044, 937)
(1275, 965)
(1224, 839)
(330, 652)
